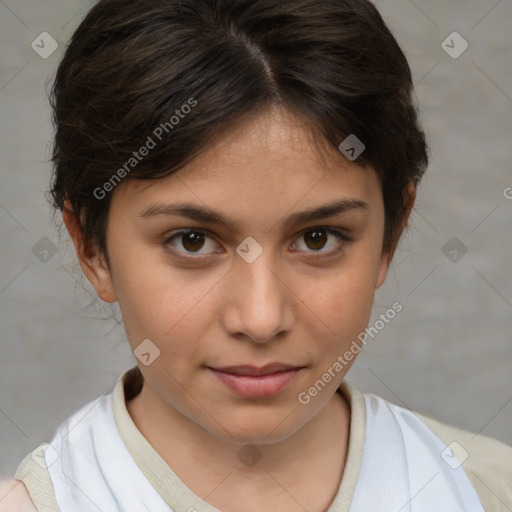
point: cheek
(159, 302)
(342, 301)
(344, 304)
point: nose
(259, 304)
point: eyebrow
(208, 215)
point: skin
(294, 304)
(14, 497)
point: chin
(258, 427)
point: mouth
(257, 382)
(254, 371)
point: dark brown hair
(133, 65)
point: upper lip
(267, 369)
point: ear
(388, 256)
(92, 262)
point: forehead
(273, 137)
(272, 156)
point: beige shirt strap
(33, 473)
(487, 462)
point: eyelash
(340, 234)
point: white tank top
(402, 469)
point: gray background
(447, 354)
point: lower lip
(261, 386)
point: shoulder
(32, 482)
(33, 472)
(486, 461)
(35, 480)
(14, 497)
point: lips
(255, 371)
(256, 382)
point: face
(255, 284)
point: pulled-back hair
(194, 69)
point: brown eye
(317, 238)
(191, 242)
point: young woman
(236, 174)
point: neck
(202, 461)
